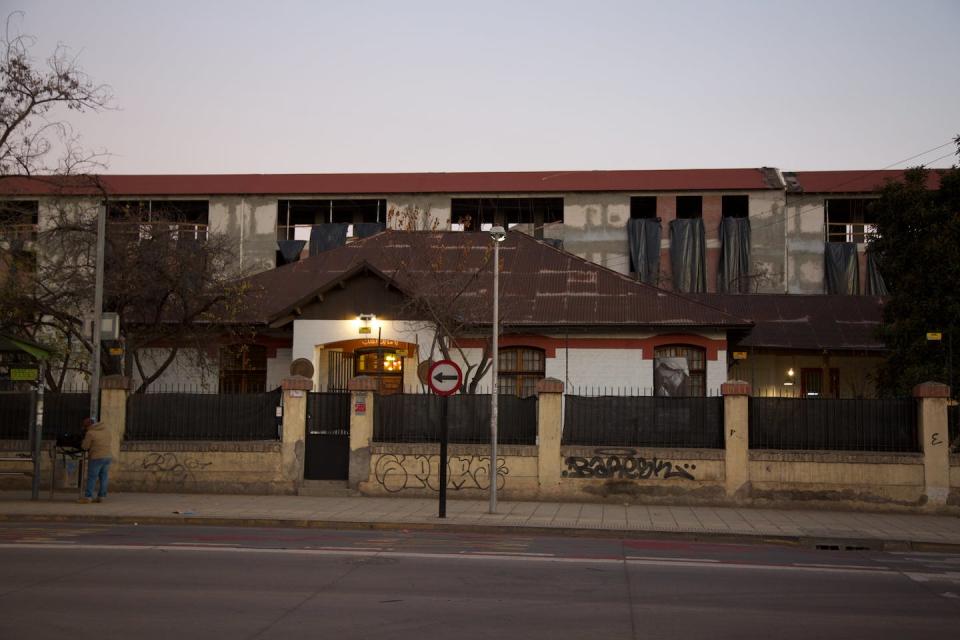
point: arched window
(679, 370)
(518, 369)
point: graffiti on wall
(396, 472)
(625, 464)
(172, 468)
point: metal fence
(643, 421)
(838, 424)
(62, 412)
(14, 415)
(953, 424)
(199, 416)
(406, 417)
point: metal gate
(327, 455)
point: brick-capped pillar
(293, 442)
(736, 436)
(361, 428)
(113, 409)
(934, 440)
(549, 423)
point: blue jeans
(99, 468)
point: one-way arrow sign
(445, 378)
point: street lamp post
(499, 235)
(97, 314)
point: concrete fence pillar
(736, 435)
(934, 440)
(293, 442)
(361, 428)
(549, 425)
(113, 409)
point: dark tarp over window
(687, 255)
(734, 273)
(842, 268)
(643, 238)
(290, 250)
(324, 237)
(367, 229)
(875, 284)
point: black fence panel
(416, 418)
(643, 421)
(14, 415)
(197, 416)
(953, 424)
(836, 424)
(64, 413)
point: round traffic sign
(445, 378)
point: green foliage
(918, 250)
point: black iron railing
(643, 421)
(198, 416)
(840, 424)
(406, 417)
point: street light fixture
(498, 234)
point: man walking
(96, 441)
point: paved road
(83, 581)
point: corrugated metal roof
(854, 181)
(539, 285)
(807, 322)
(390, 183)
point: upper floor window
(518, 369)
(679, 370)
(19, 219)
(643, 206)
(735, 206)
(296, 218)
(480, 214)
(850, 219)
(181, 219)
(689, 207)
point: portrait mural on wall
(670, 376)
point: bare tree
(170, 282)
(34, 98)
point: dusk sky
(300, 87)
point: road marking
(668, 559)
(839, 566)
(946, 576)
(510, 553)
(690, 563)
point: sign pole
(444, 439)
(444, 379)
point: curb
(809, 542)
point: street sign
(934, 336)
(445, 378)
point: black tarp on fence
(198, 416)
(643, 421)
(839, 424)
(62, 412)
(416, 418)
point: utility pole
(499, 235)
(98, 313)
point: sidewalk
(806, 527)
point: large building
(724, 235)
